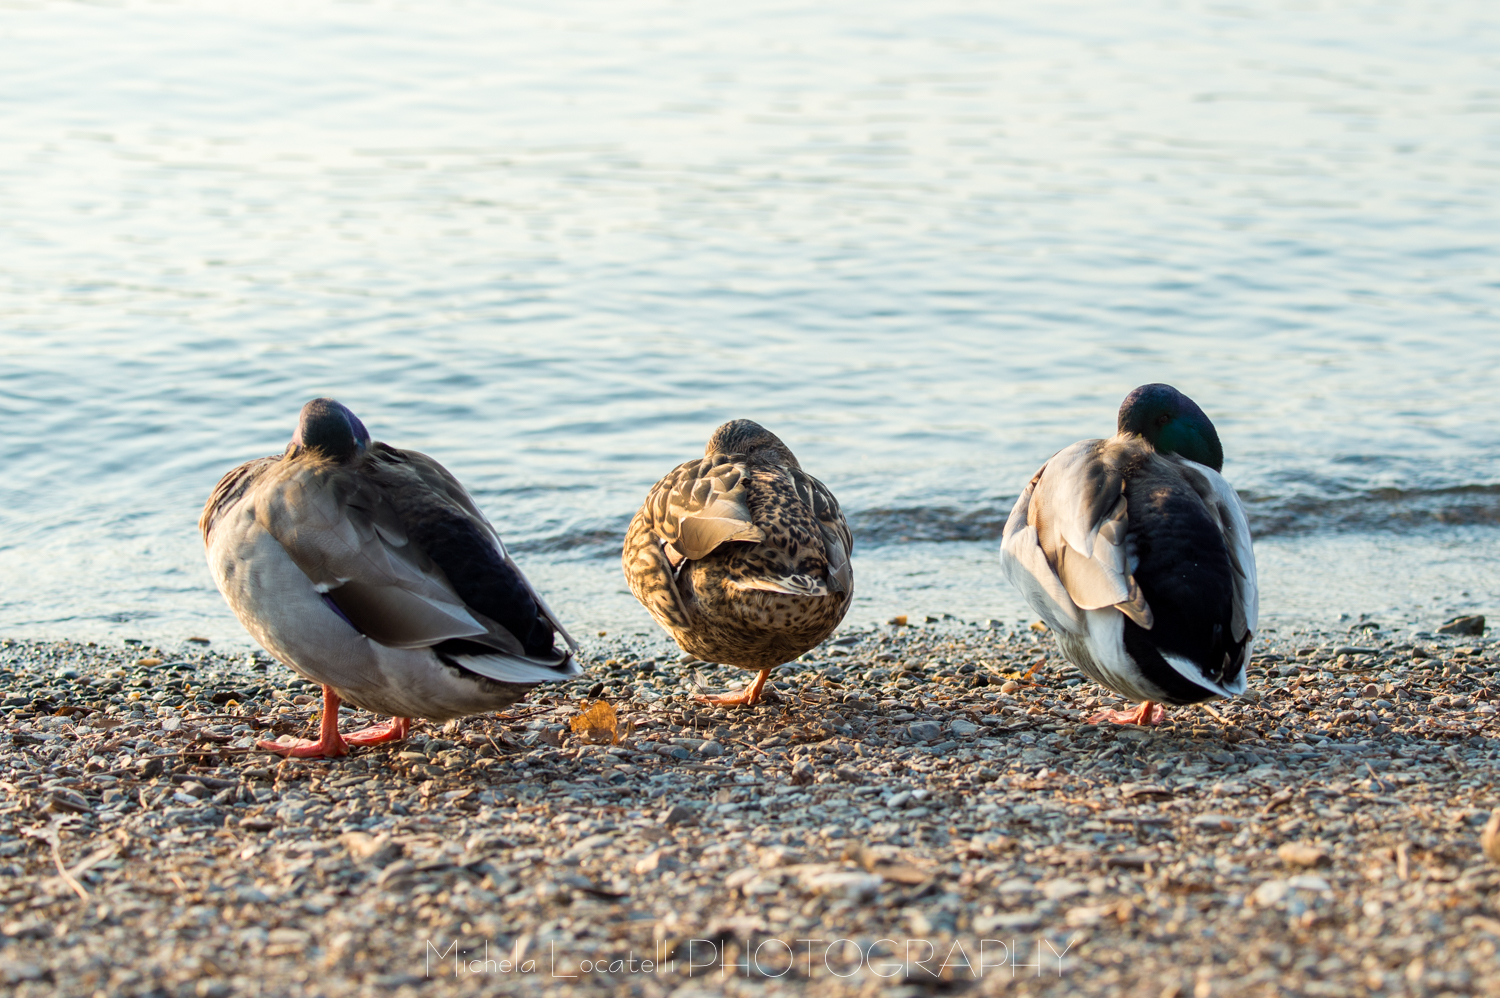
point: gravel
(912, 792)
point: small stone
(679, 814)
(1011, 921)
(802, 773)
(1473, 625)
(656, 862)
(775, 856)
(365, 847)
(897, 621)
(288, 937)
(1085, 916)
(1301, 854)
(741, 877)
(963, 729)
(16, 971)
(925, 731)
(1270, 893)
(711, 749)
(843, 883)
(1009, 686)
(1061, 888)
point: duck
(370, 571)
(1137, 555)
(741, 556)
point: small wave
(1384, 510)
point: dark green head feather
(1172, 423)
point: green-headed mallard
(370, 570)
(741, 555)
(1136, 553)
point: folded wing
(1066, 544)
(399, 547)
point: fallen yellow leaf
(597, 724)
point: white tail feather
(507, 669)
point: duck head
(331, 429)
(758, 444)
(1172, 423)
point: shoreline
(899, 790)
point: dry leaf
(597, 724)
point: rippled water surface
(928, 244)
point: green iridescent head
(1172, 423)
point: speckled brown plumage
(741, 555)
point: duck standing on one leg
(742, 556)
(1136, 553)
(369, 570)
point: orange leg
(330, 744)
(747, 697)
(1146, 713)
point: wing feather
(1228, 511)
(347, 527)
(1066, 544)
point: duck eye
(1163, 420)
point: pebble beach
(918, 808)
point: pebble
(910, 798)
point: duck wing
(801, 541)
(398, 548)
(833, 529)
(698, 506)
(1195, 564)
(1066, 543)
(694, 508)
(1228, 513)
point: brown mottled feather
(741, 555)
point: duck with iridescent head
(370, 571)
(1136, 553)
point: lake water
(927, 244)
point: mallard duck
(742, 556)
(1136, 553)
(370, 571)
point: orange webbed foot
(748, 697)
(330, 745)
(393, 730)
(1147, 713)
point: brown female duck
(742, 556)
